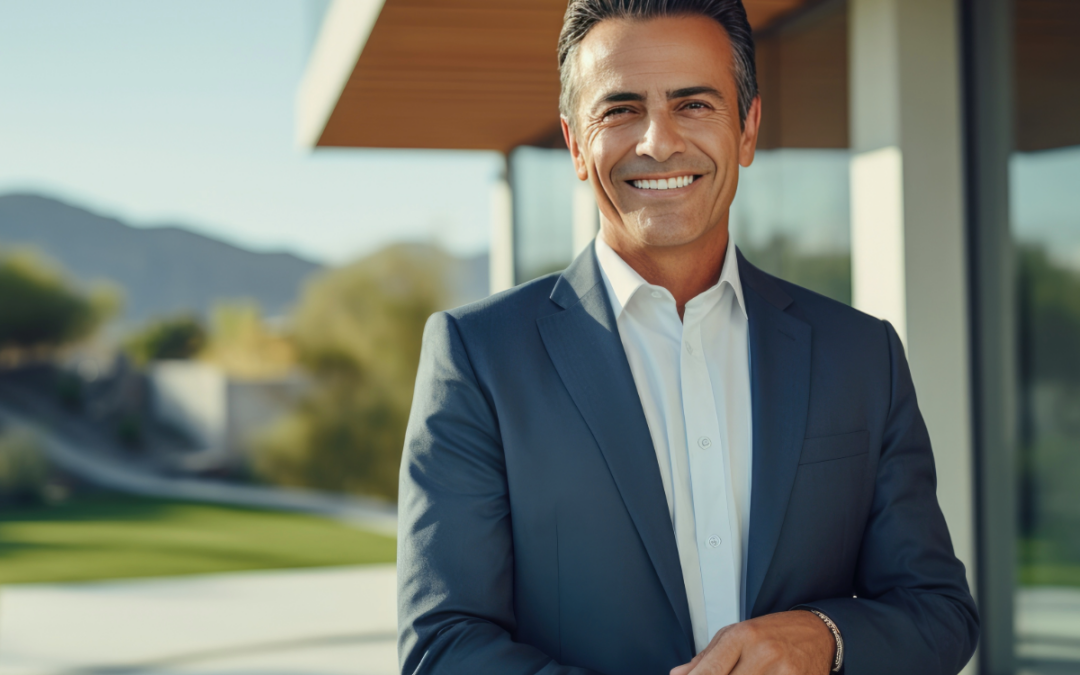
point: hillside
(166, 270)
(162, 270)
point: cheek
(609, 146)
(601, 152)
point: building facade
(919, 159)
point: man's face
(658, 105)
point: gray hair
(582, 15)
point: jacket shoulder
(503, 310)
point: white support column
(908, 223)
(501, 253)
(586, 216)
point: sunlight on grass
(119, 537)
(1050, 575)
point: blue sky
(182, 112)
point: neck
(686, 270)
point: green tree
(40, 310)
(244, 345)
(357, 331)
(1048, 299)
(178, 337)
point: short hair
(582, 15)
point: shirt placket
(708, 479)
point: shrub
(178, 337)
(24, 468)
(357, 331)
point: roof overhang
(460, 74)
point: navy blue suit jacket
(534, 534)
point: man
(663, 459)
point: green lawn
(1050, 575)
(1050, 560)
(112, 537)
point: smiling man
(663, 459)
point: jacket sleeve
(913, 612)
(455, 550)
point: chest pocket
(826, 448)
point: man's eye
(696, 105)
(614, 112)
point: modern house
(920, 159)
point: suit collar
(765, 286)
(780, 356)
(577, 280)
(584, 345)
(583, 275)
(622, 281)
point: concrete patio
(328, 621)
(337, 621)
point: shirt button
(689, 348)
(705, 442)
(714, 541)
(656, 294)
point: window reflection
(1046, 225)
(791, 217)
(1044, 174)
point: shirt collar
(623, 281)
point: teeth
(664, 183)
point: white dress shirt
(693, 378)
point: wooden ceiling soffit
(1047, 72)
(454, 74)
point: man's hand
(788, 643)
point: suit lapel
(584, 344)
(780, 395)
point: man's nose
(662, 139)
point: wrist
(835, 636)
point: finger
(717, 661)
(744, 667)
(685, 668)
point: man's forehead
(636, 40)
(624, 55)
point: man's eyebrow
(685, 92)
(693, 91)
(622, 97)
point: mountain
(162, 270)
(167, 270)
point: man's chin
(668, 231)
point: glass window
(543, 183)
(1044, 174)
(791, 217)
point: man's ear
(751, 127)
(575, 150)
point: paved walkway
(1048, 630)
(331, 621)
(338, 621)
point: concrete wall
(191, 397)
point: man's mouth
(672, 183)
